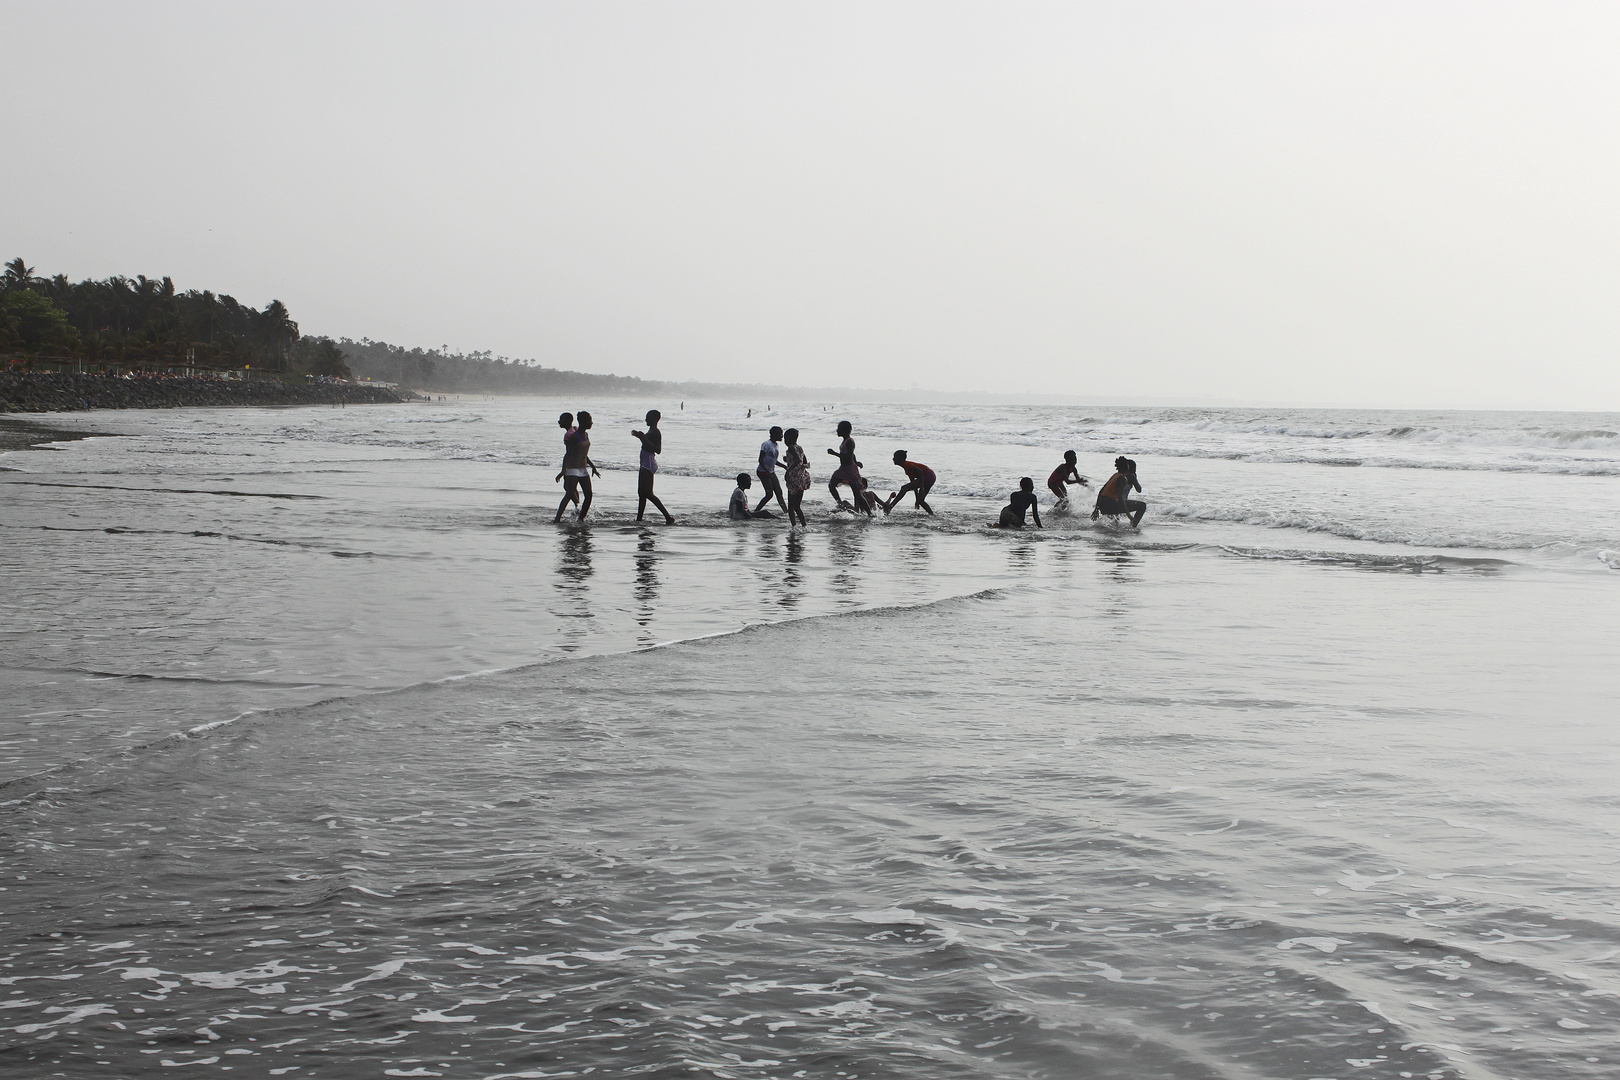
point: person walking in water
(1066, 473)
(848, 472)
(577, 467)
(797, 464)
(1112, 497)
(919, 480)
(1012, 515)
(652, 444)
(769, 452)
(566, 422)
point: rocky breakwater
(35, 392)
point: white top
(739, 505)
(768, 451)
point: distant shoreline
(45, 393)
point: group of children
(577, 470)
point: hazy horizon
(1268, 204)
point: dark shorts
(1010, 518)
(1114, 506)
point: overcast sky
(1318, 203)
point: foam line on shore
(207, 728)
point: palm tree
(19, 275)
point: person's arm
(834, 453)
(642, 438)
(592, 464)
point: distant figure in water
(652, 444)
(797, 464)
(738, 510)
(848, 472)
(566, 422)
(769, 452)
(1112, 498)
(1012, 515)
(576, 462)
(1066, 473)
(919, 480)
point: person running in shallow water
(1012, 515)
(769, 455)
(1066, 473)
(652, 444)
(797, 464)
(919, 480)
(1112, 497)
(577, 467)
(849, 472)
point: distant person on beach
(1066, 473)
(769, 453)
(1112, 497)
(919, 480)
(848, 472)
(797, 464)
(652, 444)
(577, 467)
(738, 510)
(1012, 515)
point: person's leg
(568, 497)
(776, 489)
(796, 507)
(922, 498)
(1057, 491)
(1137, 509)
(765, 489)
(585, 507)
(894, 500)
(643, 490)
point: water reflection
(792, 571)
(846, 548)
(1021, 555)
(647, 583)
(574, 571)
(1119, 573)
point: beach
(327, 754)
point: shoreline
(47, 393)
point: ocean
(325, 753)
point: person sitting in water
(1111, 497)
(919, 480)
(1066, 473)
(848, 472)
(1012, 515)
(738, 510)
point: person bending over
(919, 480)
(1112, 497)
(768, 454)
(652, 444)
(1012, 515)
(1066, 473)
(738, 510)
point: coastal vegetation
(147, 323)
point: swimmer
(919, 480)
(1012, 515)
(1111, 498)
(1066, 473)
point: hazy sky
(1318, 203)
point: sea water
(328, 754)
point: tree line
(144, 320)
(147, 321)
